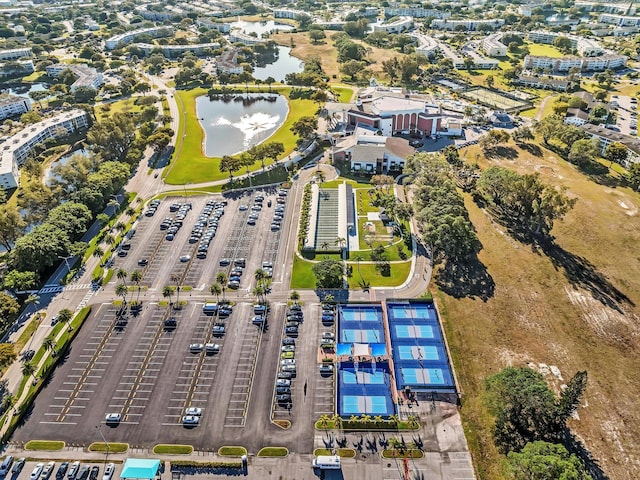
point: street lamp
(106, 454)
(66, 261)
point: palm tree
(378, 420)
(364, 418)
(65, 315)
(353, 419)
(393, 419)
(98, 252)
(216, 290)
(320, 176)
(260, 275)
(358, 258)
(222, 279)
(167, 291)
(325, 245)
(122, 291)
(341, 242)
(324, 419)
(122, 274)
(8, 401)
(29, 369)
(33, 300)
(259, 292)
(49, 344)
(136, 277)
(294, 296)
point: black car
(288, 341)
(225, 311)
(292, 331)
(217, 330)
(416, 143)
(285, 375)
(283, 398)
(62, 469)
(170, 323)
(93, 474)
(283, 390)
(295, 308)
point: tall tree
(229, 164)
(113, 137)
(12, 226)
(545, 461)
(616, 152)
(305, 126)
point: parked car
(110, 418)
(190, 420)
(326, 369)
(193, 411)
(37, 470)
(108, 471)
(62, 469)
(73, 470)
(94, 472)
(19, 465)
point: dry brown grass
(303, 48)
(537, 315)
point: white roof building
(128, 37)
(87, 76)
(12, 105)
(15, 53)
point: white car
(193, 411)
(108, 471)
(112, 418)
(288, 361)
(190, 420)
(35, 473)
(288, 348)
(328, 336)
(47, 470)
(185, 258)
(242, 208)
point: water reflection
(234, 126)
(260, 28)
(281, 65)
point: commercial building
(373, 153)
(15, 53)
(87, 76)
(12, 105)
(448, 24)
(15, 150)
(128, 37)
(399, 25)
(493, 47)
(416, 12)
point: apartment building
(427, 46)
(619, 20)
(237, 36)
(493, 47)
(415, 12)
(546, 83)
(87, 76)
(587, 47)
(397, 26)
(173, 51)
(15, 151)
(221, 27)
(228, 62)
(16, 67)
(128, 37)
(564, 64)
(448, 24)
(12, 105)
(288, 13)
(606, 137)
(15, 54)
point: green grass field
(399, 273)
(190, 165)
(541, 50)
(344, 94)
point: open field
(303, 48)
(542, 50)
(190, 165)
(559, 308)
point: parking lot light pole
(106, 454)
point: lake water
(261, 27)
(48, 173)
(23, 90)
(235, 126)
(284, 65)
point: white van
(210, 308)
(327, 462)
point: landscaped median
(109, 447)
(399, 453)
(46, 445)
(190, 164)
(273, 452)
(172, 449)
(366, 422)
(341, 452)
(232, 451)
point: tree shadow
(582, 273)
(575, 446)
(466, 280)
(531, 148)
(502, 151)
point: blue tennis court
(358, 405)
(414, 331)
(419, 353)
(360, 336)
(362, 314)
(364, 388)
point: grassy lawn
(170, 449)
(33, 77)
(232, 451)
(561, 310)
(392, 453)
(302, 276)
(273, 452)
(399, 273)
(26, 334)
(126, 105)
(303, 48)
(113, 447)
(343, 94)
(190, 165)
(47, 445)
(340, 180)
(363, 201)
(342, 452)
(541, 50)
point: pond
(23, 89)
(48, 172)
(284, 64)
(260, 28)
(239, 122)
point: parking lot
(626, 109)
(147, 369)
